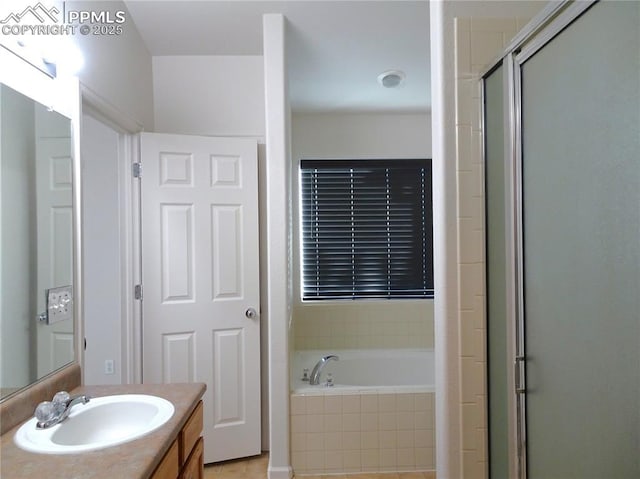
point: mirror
(36, 241)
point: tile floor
(256, 468)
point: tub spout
(314, 379)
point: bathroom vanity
(174, 451)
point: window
(366, 229)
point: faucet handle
(45, 411)
(60, 401)
(61, 397)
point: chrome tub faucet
(314, 379)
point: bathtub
(366, 370)
(377, 417)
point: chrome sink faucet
(314, 379)
(51, 413)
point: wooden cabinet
(184, 460)
(193, 468)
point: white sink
(102, 422)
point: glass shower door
(581, 247)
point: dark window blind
(366, 229)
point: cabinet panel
(194, 467)
(190, 433)
(169, 468)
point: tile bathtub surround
(22, 405)
(364, 325)
(366, 432)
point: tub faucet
(51, 413)
(314, 379)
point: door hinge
(137, 170)
(137, 291)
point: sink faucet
(314, 379)
(51, 413)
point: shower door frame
(536, 34)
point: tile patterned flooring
(256, 468)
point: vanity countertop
(133, 460)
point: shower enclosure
(562, 157)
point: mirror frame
(63, 96)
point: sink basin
(102, 422)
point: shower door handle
(251, 313)
(520, 375)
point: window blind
(366, 229)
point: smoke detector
(391, 78)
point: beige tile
(387, 403)
(332, 422)
(388, 459)
(370, 460)
(352, 461)
(351, 403)
(351, 440)
(406, 439)
(298, 441)
(333, 441)
(315, 422)
(298, 405)
(404, 402)
(333, 461)
(315, 404)
(388, 439)
(315, 461)
(315, 441)
(406, 457)
(406, 421)
(370, 440)
(387, 421)
(333, 405)
(351, 422)
(369, 403)
(369, 422)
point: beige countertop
(133, 460)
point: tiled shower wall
(479, 41)
(362, 432)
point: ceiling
(335, 49)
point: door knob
(250, 313)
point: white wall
(117, 67)
(277, 226)
(209, 95)
(361, 135)
(102, 251)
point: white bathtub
(401, 370)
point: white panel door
(200, 279)
(54, 173)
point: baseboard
(280, 472)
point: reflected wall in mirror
(36, 238)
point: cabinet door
(194, 467)
(169, 468)
(191, 432)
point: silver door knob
(250, 313)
